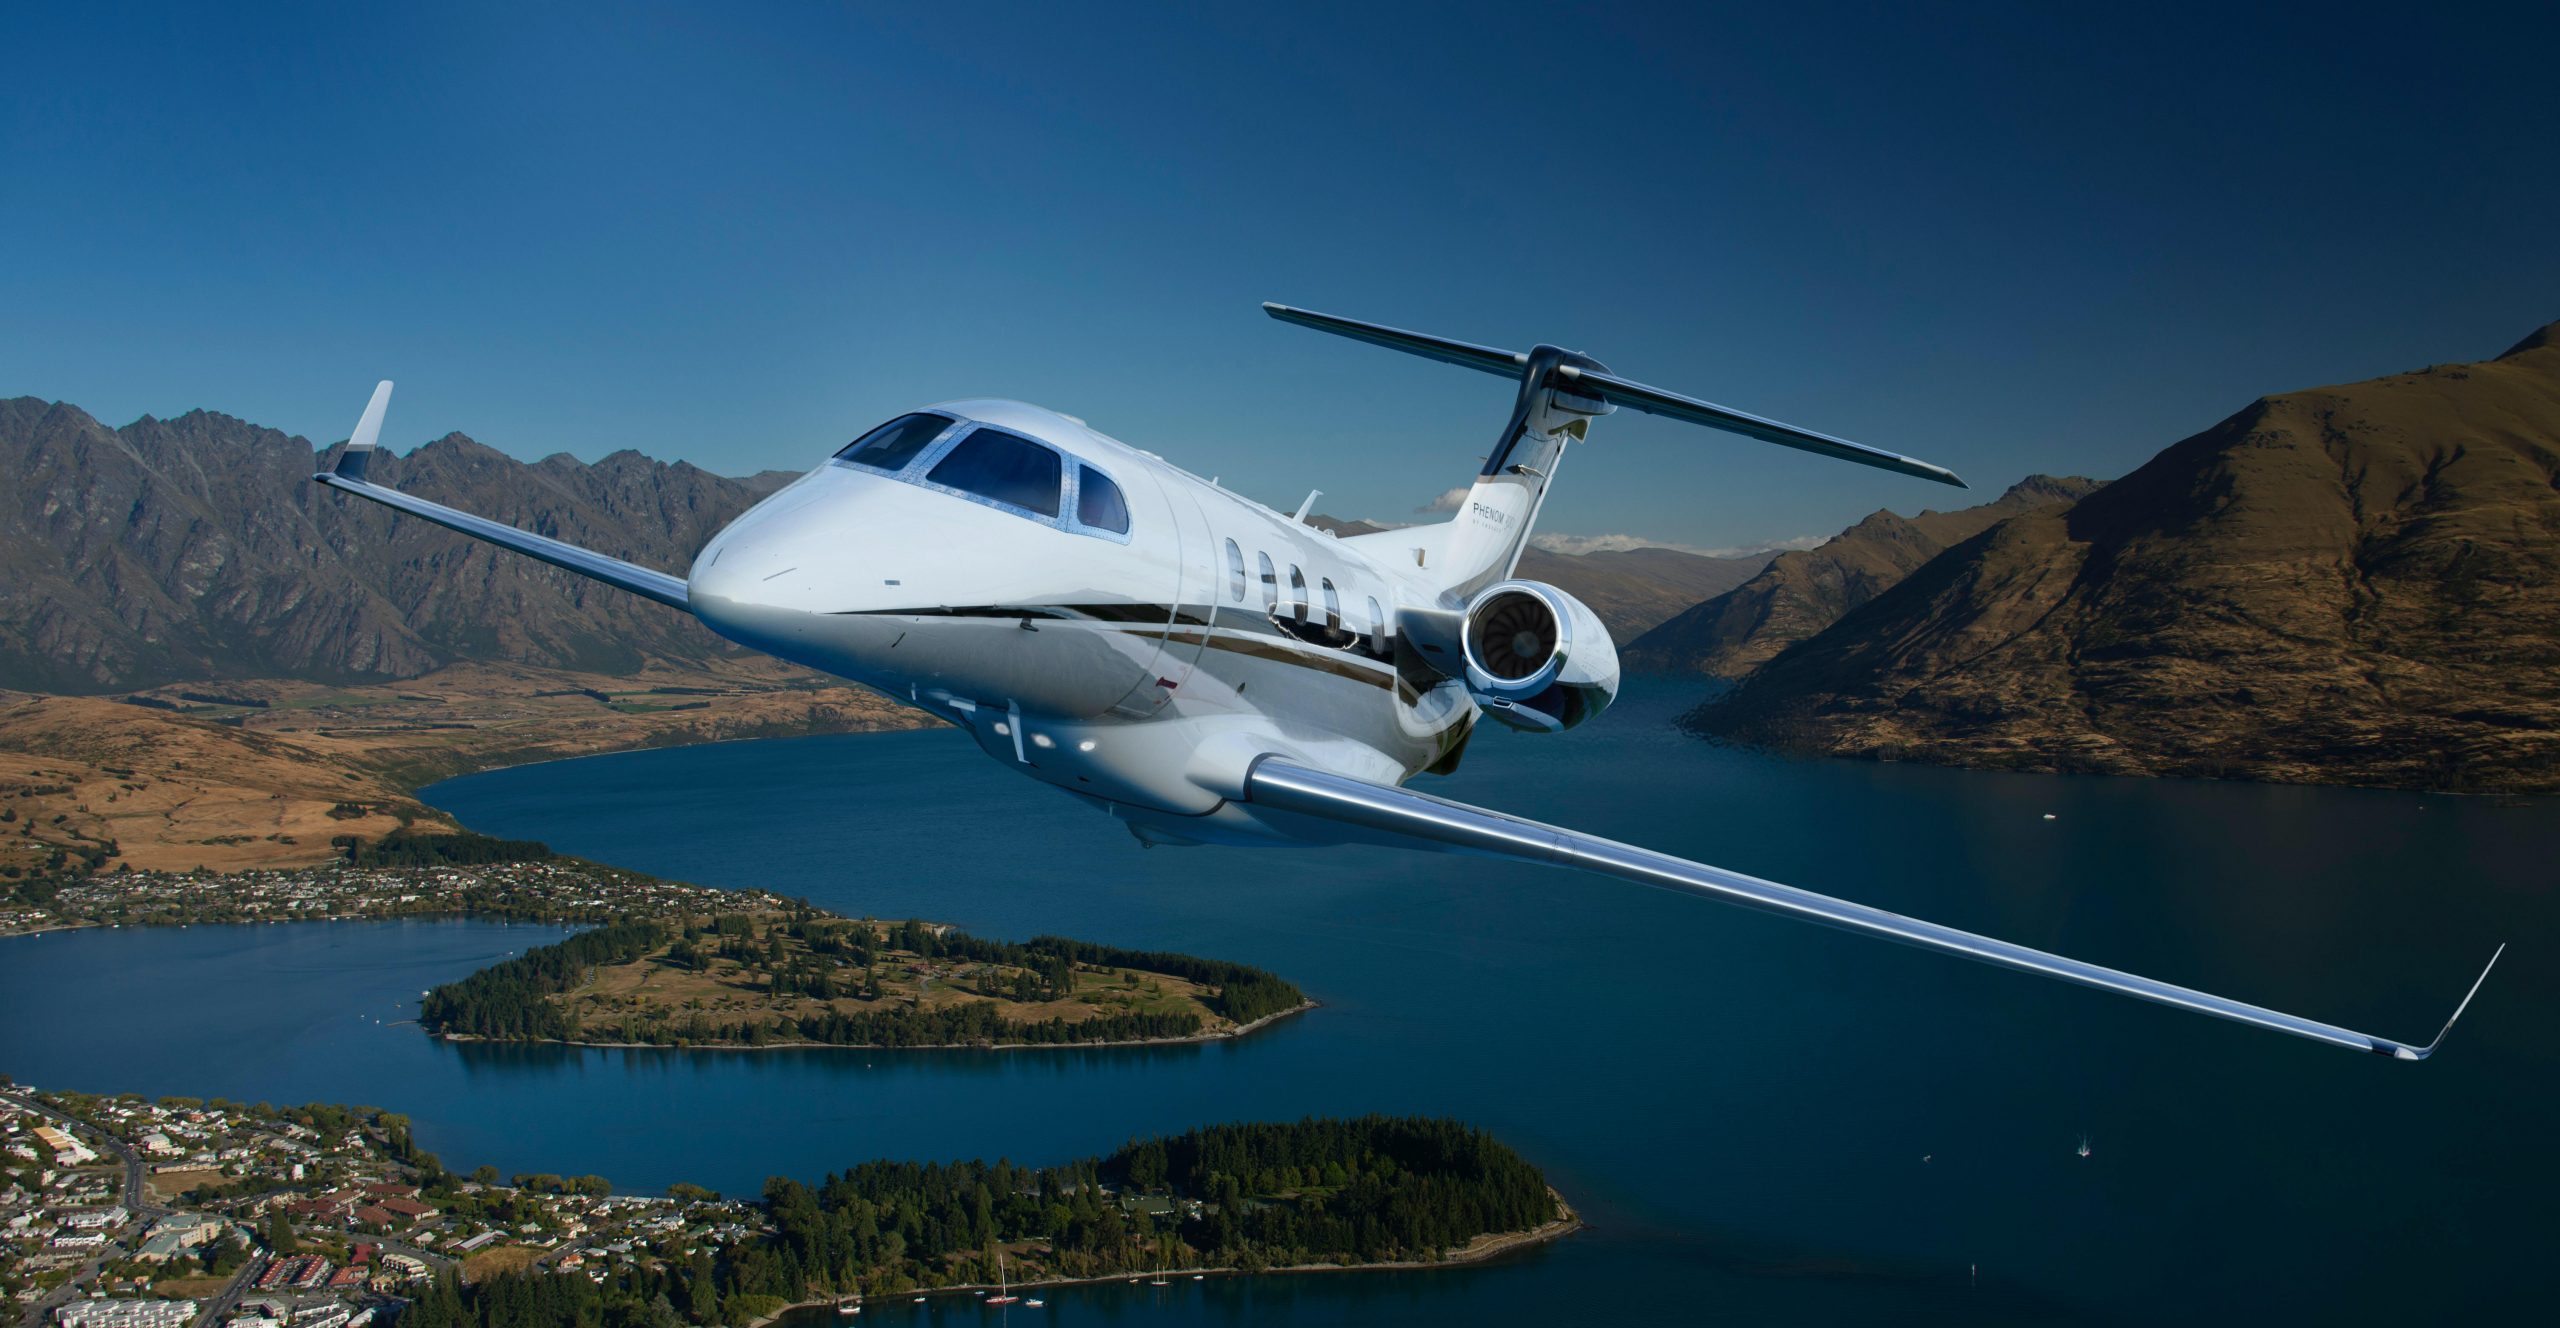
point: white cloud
(1447, 502)
(1581, 544)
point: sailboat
(1002, 1296)
(2084, 1146)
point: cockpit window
(1098, 502)
(1006, 468)
(893, 445)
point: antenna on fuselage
(1309, 505)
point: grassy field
(163, 780)
(481, 1265)
(723, 986)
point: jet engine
(1537, 658)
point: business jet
(1210, 671)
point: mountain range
(1801, 592)
(196, 549)
(2353, 584)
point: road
(43, 1306)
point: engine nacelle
(1537, 658)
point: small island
(667, 963)
(799, 976)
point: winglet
(2421, 1053)
(360, 445)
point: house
(161, 1248)
(409, 1210)
(68, 1151)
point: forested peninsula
(798, 976)
(1378, 1191)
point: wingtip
(360, 444)
(2421, 1053)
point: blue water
(1740, 1105)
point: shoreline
(1220, 1036)
(1483, 1249)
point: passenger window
(1235, 572)
(1270, 584)
(893, 445)
(1297, 593)
(1098, 502)
(1007, 468)
(1332, 606)
(1377, 626)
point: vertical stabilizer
(1483, 541)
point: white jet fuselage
(1144, 670)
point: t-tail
(1561, 392)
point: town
(120, 1212)
(528, 886)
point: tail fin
(1561, 391)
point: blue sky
(2004, 238)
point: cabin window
(1004, 468)
(1235, 572)
(893, 445)
(1270, 584)
(1377, 626)
(1098, 502)
(1332, 607)
(1297, 593)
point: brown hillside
(264, 773)
(1803, 592)
(2355, 584)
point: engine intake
(1537, 658)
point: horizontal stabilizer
(1671, 405)
(1426, 821)
(349, 475)
(1593, 382)
(1464, 354)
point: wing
(349, 473)
(1438, 822)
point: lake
(1763, 1121)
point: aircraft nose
(730, 587)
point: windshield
(1006, 468)
(893, 445)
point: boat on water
(2083, 1150)
(1034, 1303)
(1003, 1295)
(848, 1308)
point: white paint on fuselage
(1135, 673)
